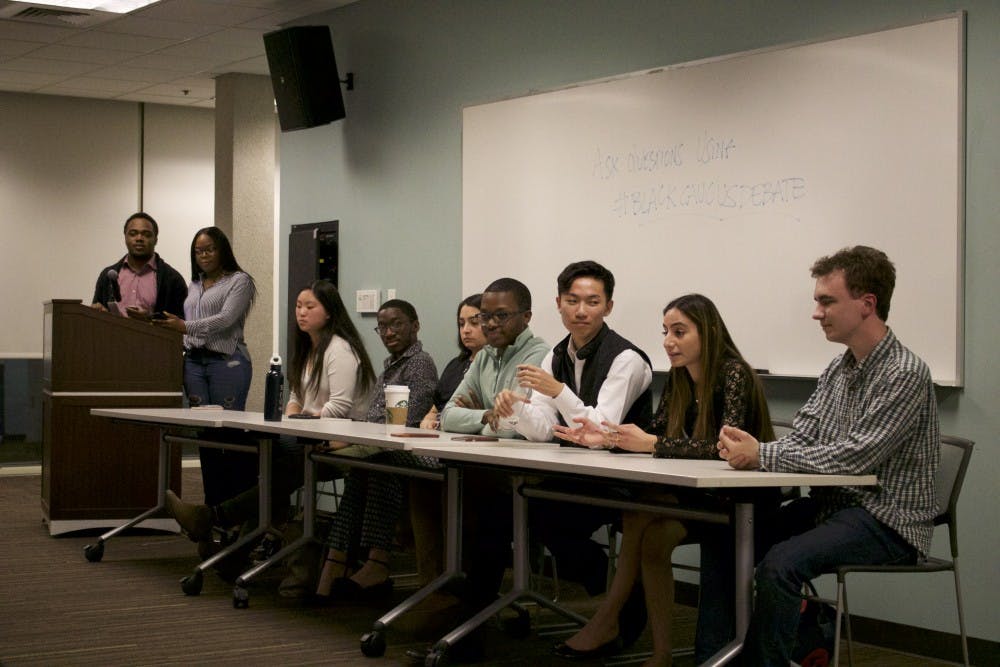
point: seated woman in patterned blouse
(709, 384)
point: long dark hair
(227, 260)
(338, 324)
(474, 301)
(717, 347)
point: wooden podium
(97, 472)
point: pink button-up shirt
(137, 289)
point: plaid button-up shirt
(877, 416)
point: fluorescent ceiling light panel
(113, 6)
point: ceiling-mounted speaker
(304, 76)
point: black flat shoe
(564, 650)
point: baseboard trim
(893, 636)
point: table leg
(743, 549)
(241, 596)
(191, 585)
(95, 552)
(373, 642)
(521, 589)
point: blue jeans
(848, 537)
(212, 378)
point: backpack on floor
(814, 641)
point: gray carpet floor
(58, 609)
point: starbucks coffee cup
(397, 401)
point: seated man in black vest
(593, 373)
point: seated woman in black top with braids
(706, 371)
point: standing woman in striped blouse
(217, 368)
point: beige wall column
(244, 201)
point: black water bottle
(273, 386)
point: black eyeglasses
(500, 317)
(394, 327)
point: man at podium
(141, 283)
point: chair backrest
(955, 455)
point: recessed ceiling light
(113, 6)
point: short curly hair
(866, 271)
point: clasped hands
(739, 448)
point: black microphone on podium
(112, 301)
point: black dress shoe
(564, 650)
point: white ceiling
(167, 53)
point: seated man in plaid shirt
(873, 412)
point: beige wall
(244, 201)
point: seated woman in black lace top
(706, 371)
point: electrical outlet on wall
(390, 294)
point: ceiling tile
(57, 67)
(173, 89)
(129, 73)
(82, 54)
(217, 53)
(107, 85)
(70, 91)
(11, 86)
(173, 63)
(236, 37)
(33, 33)
(136, 25)
(98, 39)
(155, 99)
(152, 55)
(16, 47)
(198, 11)
(256, 65)
(27, 78)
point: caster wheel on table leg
(241, 598)
(94, 552)
(373, 644)
(191, 585)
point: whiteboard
(729, 177)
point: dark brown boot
(194, 520)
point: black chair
(955, 455)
